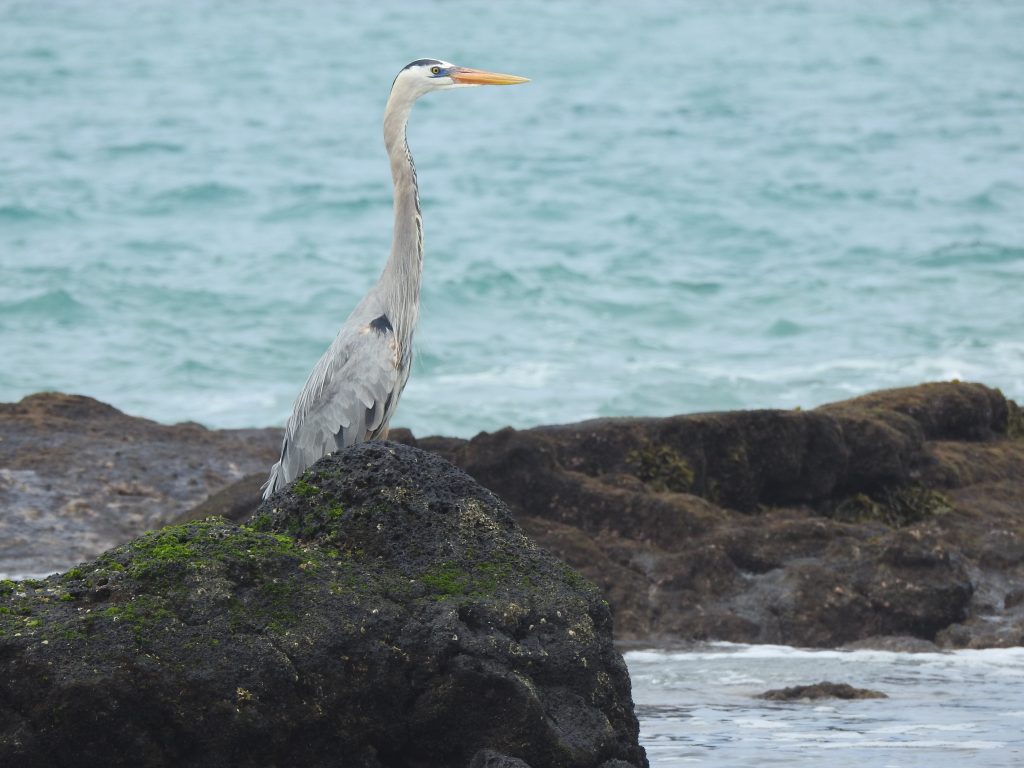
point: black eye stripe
(422, 63)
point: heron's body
(354, 388)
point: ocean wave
(971, 657)
(527, 375)
(15, 213)
(161, 246)
(56, 305)
(192, 368)
(864, 374)
(972, 254)
(143, 148)
(783, 328)
(190, 196)
(332, 209)
(699, 288)
(23, 576)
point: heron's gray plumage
(354, 388)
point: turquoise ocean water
(693, 206)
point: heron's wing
(348, 398)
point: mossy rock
(895, 506)
(386, 608)
(661, 468)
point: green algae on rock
(386, 608)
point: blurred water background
(693, 206)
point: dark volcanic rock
(488, 758)
(822, 690)
(384, 610)
(78, 476)
(897, 513)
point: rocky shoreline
(891, 520)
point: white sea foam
(24, 576)
(718, 650)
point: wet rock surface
(822, 690)
(899, 514)
(78, 476)
(385, 608)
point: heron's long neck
(400, 281)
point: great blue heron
(354, 388)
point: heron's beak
(480, 77)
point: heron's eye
(435, 70)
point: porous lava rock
(384, 610)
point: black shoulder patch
(381, 324)
(422, 63)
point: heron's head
(425, 75)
